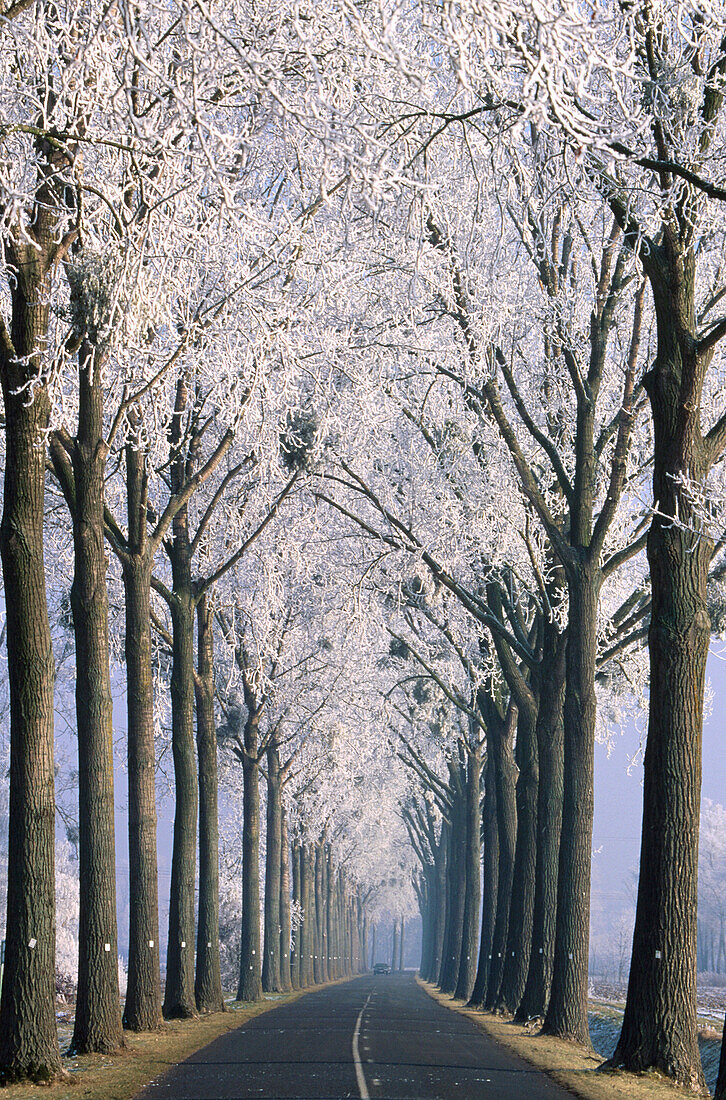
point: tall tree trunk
(312, 909)
(501, 747)
(28, 1038)
(250, 973)
(350, 933)
(97, 1024)
(318, 964)
(354, 934)
(208, 980)
(342, 924)
(285, 920)
(550, 742)
(307, 940)
(364, 947)
(400, 944)
(271, 980)
(179, 999)
(660, 1023)
(447, 838)
(521, 909)
(373, 946)
(490, 883)
(297, 899)
(323, 917)
(304, 937)
(142, 1009)
(330, 927)
(472, 873)
(441, 859)
(424, 894)
(567, 1010)
(326, 922)
(354, 918)
(327, 955)
(449, 886)
(457, 881)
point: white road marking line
(359, 1075)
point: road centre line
(359, 1075)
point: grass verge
(148, 1054)
(571, 1066)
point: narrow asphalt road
(377, 1037)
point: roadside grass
(570, 1065)
(148, 1054)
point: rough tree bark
(550, 742)
(250, 975)
(28, 1038)
(521, 906)
(331, 929)
(313, 886)
(501, 745)
(354, 923)
(307, 928)
(207, 981)
(472, 873)
(456, 875)
(142, 1009)
(271, 977)
(319, 915)
(297, 899)
(364, 945)
(567, 1010)
(328, 967)
(179, 999)
(660, 1024)
(490, 879)
(441, 861)
(445, 904)
(522, 681)
(97, 1026)
(285, 914)
(424, 896)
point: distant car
(381, 968)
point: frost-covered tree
(636, 96)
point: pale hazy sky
(619, 792)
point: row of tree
(447, 297)
(139, 375)
(554, 338)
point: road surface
(377, 1037)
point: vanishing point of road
(373, 1037)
